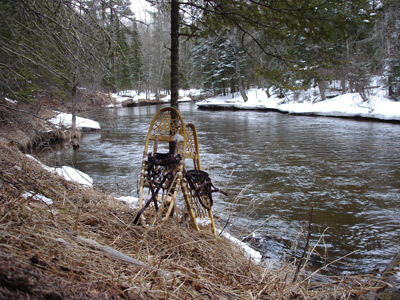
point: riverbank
(378, 108)
(64, 240)
(40, 125)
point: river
(275, 167)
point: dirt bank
(24, 124)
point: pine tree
(298, 39)
(214, 60)
(135, 58)
(220, 61)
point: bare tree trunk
(267, 92)
(73, 108)
(237, 66)
(322, 88)
(174, 53)
(239, 79)
(343, 85)
(388, 52)
(174, 61)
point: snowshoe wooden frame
(192, 146)
(188, 189)
(166, 128)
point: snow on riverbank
(250, 252)
(347, 105)
(133, 202)
(65, 120)
(67, 173)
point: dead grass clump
(84, 246)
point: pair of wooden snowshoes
(164, 172)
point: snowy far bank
(134, 96)
(347, 105)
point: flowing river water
(275, 167)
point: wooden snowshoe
(162, 167)
(196, 185)
(170, 144)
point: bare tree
(56, 46)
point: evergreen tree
(128, 62)
(135, 58)
(219, 62)
(214, 60)
(122, 63)
(113, 14)
(298, 39)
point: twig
(258, 228)
(118, 255)
(306, 246)
(327, 265)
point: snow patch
(132, 201)
(203, 222)
(178, 138)
(67, 173)
(249, 252)
(11, 101)
(37, 197)
(185, 99)
(75, 175)
(65, 120)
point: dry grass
(43, 257)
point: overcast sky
(139, 7)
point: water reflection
(348, 171)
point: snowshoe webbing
(200, 182)
(155, 178)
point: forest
(49, 49)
